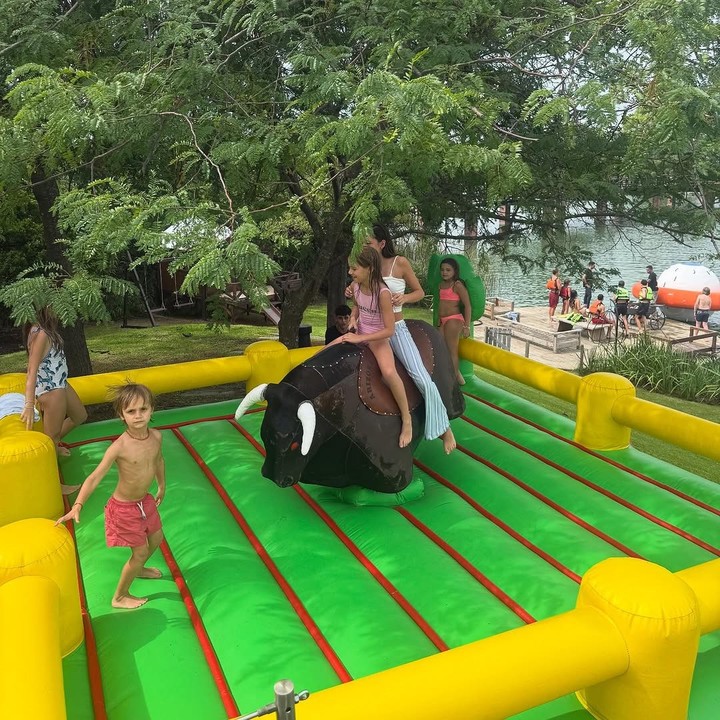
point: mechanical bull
(332, 420)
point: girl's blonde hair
(47, 321)
(370, 259)
(123, 395)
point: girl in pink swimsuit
(453, 322)
(373, 318)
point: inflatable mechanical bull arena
(332, 420)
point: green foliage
(71, 297)
(654, 367)
(323, 118)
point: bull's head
(288, 430)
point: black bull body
(332, 420)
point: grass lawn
(172, 341)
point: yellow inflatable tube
(631, 643)
(559, 383)
(40, 617)
(31, 682)
(493, 678)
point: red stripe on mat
(332, 658)
(595, 454)
(218, 675)
(394, 593)
(551, 503)
(497, 521)
(97, 694)
(599, 489)
(501, 595)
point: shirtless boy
(131, 516)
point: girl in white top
(405, 287)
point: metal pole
(285, 700)
(617, 323)
(142, 292)
(284, 705)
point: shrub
(654, 367)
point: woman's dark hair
(573, 294)
(453, 263)
(48, 321)
(380, 233)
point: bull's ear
(306, 415)
(256, 395)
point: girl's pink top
(449, 293)
(370, 318)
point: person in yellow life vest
(644, 299)
(622, 300)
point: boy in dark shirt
(341, 322)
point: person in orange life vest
(553, 286)
(597, 311)
(565, 297)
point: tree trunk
(336, 284)
(331, 252)
(46, 193)
(601, 217)
(470, 243)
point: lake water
(619, 253)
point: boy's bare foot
(68, 489)
(62, 450)
(449, 442)
(406, 433)
(128, 602)
(150, 573)
(460, 378)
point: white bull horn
(306, 415)
(256, 395)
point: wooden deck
(673, 334)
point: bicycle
(616, 322)
(655, 320)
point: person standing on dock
(587, 282)
(622, 300)
(652, 278)
(703, 305)
(553, 286)
(565, 297)
(644, 299)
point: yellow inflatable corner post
(269, 362)
(595, 427)
(40, 617)
(657, 615)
